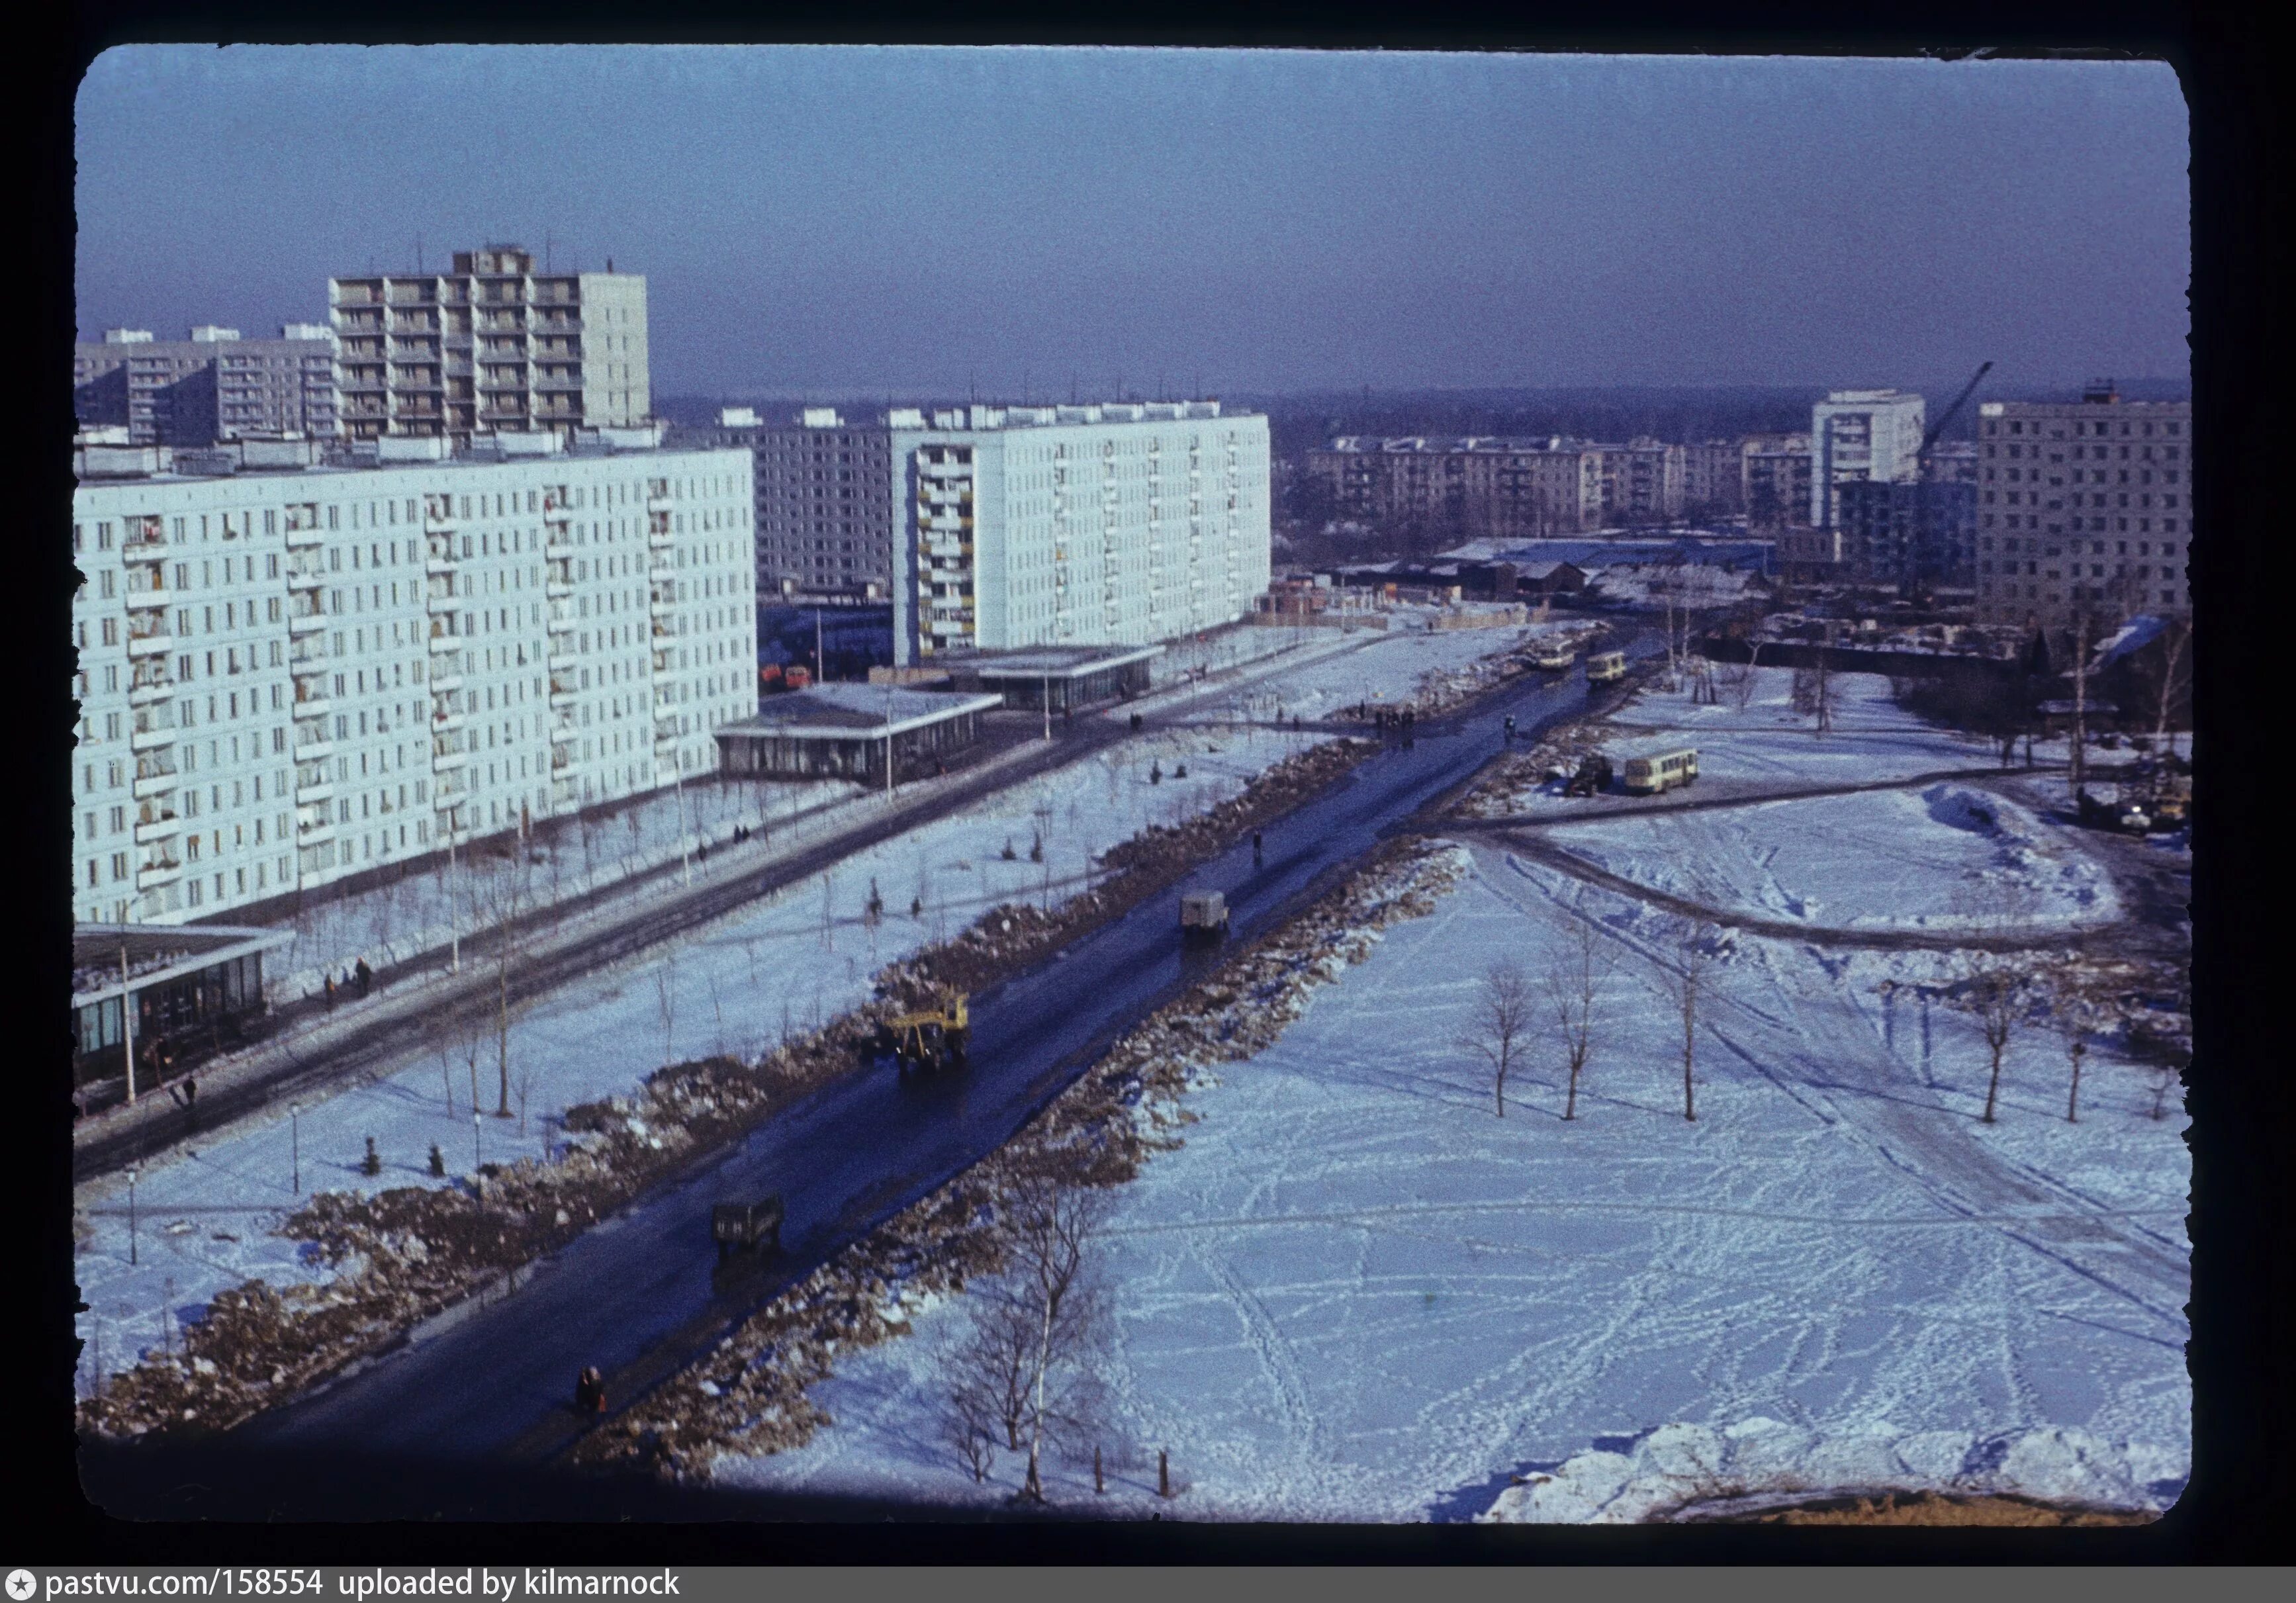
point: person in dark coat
(330, 990)
(590, 1392)
(365, 976)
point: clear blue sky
(863, 219)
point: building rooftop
(831, 712)
(154, 953)
(99, 461)
(1047, 662)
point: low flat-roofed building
(846, 730)
(1069, 677)
(194, 987)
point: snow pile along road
(1688, 1471)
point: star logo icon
(21, 1584)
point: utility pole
(295, 1146)
(131, 1214)
(454, 912)
(127, 1021)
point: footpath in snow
(1356, 1293)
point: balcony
(561, 658)
(312, 707)
(447, 762)
(312, 795)
(149, 785)
(561, 758)
(556, 514)
(305, 578)
(440, 601)
(436, 521)
(153, 644)
(442, 642)
(658, 500)
(660, 605)
(148, 694)
(308, 534)
(660, 539)
(163, 828)
(562, 699)
(446, 722)
(557, 590)
(144, 739)
(561, 621)
(300, 624)
(313, 831)
(151, 875)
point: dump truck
(1593, 778)
(1203, 915)
(932, 1036)
(747, 1226)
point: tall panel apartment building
(1483, 486)
(1713, 477)
(824, 501)
(1104, 525)
(289, 676)
(1858, 435)
(493, 347)
(2085, 508)
(210, 386)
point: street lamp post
(454, 912)
(127, 1022)
(131, 1212)
(295, 1145)
(477, 1158)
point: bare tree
(507, 890)
(1994, 985)
(2079, 765)
(2176, 678)
(1570, 988)
(1500, 1020)
(2080, 1005)
(1694, 956)
(522, 1085)
(968, 1424)
(1049, 1299)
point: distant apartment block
(287, 673)
(1713, 477)
(212, 385)
(1859, 434)
(1642, 481)
(1920, 536)
(492, 346)
(1477, 487)
(824, 511)
(1118, 524)
(2085, 508)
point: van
(1605, 666)
(1649, 773)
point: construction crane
(1947, 416)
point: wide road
(639, 1295)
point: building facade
(1121, 524)
(1478, 486)
(285, 677)
(824, 511)
(1919, 537)
(1713, 477)
(211, 386)
(1642, 481)
(1858, 435)
(491, 346)
(2085, 509)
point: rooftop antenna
(418, 256)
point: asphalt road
(640, 1294)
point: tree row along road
(640, 1294)
(1599, 812)
(561, 943)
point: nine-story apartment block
(287, 677)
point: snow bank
(1661, 1473)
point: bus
(1649, 772)
(1605, 666)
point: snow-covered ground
(205, 1219)
(1356, 1294)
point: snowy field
(1370, 667)
(1356, 1294)
(787, 964)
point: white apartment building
(1861, 434)
(1118, 524)
(2084, 508)
(287, 676)
(493, 347)
(212, 385)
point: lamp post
(127, 1022)
(295, 1145)
(478, 1123)
(454, 912)
(131, 1212)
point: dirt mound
(1921, 1508)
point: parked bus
(1649, 772)
(1605, 666)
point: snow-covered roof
(834, 712)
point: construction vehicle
(1203, 915)
(747, 1226)
(1606, 667)
(932, 1036)
(1593, 778)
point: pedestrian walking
(365, 976)
(330, 990)
(190, 1101)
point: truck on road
(747, 1226)
(1203, 915)
(934, 1036)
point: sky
(1026, 223)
